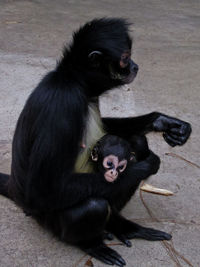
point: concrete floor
(167, 49)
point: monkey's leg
(4, 185)
(124, 230)
(119, 226)
(85, 225)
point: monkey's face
(113, 167)
(101, 55)
(122, 70)
(125, 70)
(112, 155)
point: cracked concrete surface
(167, 49)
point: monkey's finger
(124, 240)
(176, 131)
(180, 132)
(173, 140)
(107, 255)
(180, 140)
(169, 140)
(183, 129)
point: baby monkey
(113, 154)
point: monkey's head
(101, 54)
(112, 155)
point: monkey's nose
(135, 68)
(114, 173)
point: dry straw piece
(155, 190)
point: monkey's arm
(63, 195)
(93, 184)
(175, 131)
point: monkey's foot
(108, 236)
(150, 234)
(105, 254)
(144, 233)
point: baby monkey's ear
(94, 153)
(133, 157)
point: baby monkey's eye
(109, 163)
(121, 168)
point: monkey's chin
(129, 79)
(109, 178)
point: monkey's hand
(143, 169)
(152, 163)
(175, 131)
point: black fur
(79, 207)
(111, 144)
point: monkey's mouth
(109, 178)
(129, 79)
(124, 78)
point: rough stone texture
(167, 49)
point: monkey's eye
(109, 164)
(124, 63)
(122, 167)
(125, 59)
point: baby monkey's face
(112, 155)
(113, 167)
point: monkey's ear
(94, 54)
(94, 154)
(94, 58)
(133, 157)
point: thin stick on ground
(180, 157)
(172, 252)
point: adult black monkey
(46, 178)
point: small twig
(155, 190)
(171, 252)
(165, 221)
(78, 261)
(44, 66)
(168, 247)
(145, 205)
(12, 22)
(179, 157)
(89, 262)
(182, 257)
(114, 244)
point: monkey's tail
(4, 178)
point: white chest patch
(93, 132)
